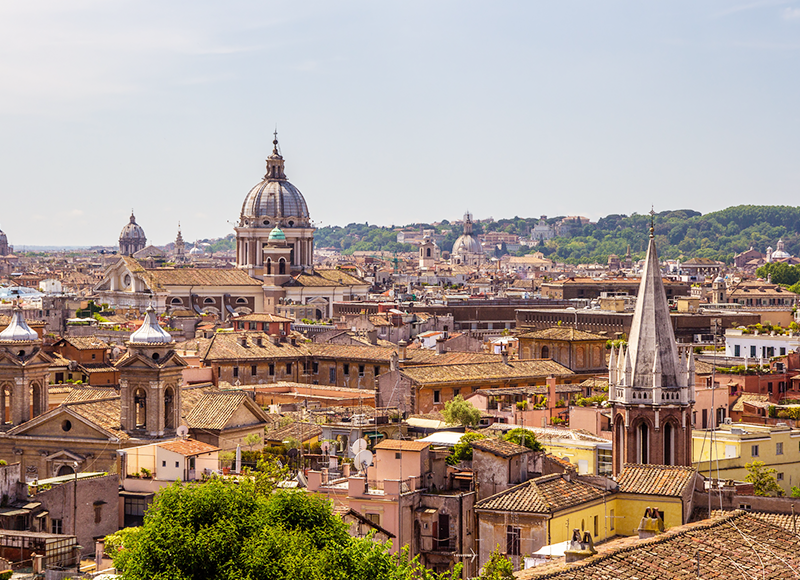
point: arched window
(140, 409)
(282, 267)
(642, 443)
(36, 400)
(669, 444)
(269, 266)
(5, 404)
(169, 408)
(428, 252)
(176, 301)
(208, 300)
(619, 444)
(65, 470)
(545, 352)
(241, 300)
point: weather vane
(652, 221)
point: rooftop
(499, 447)
(669, 480)
(543, 495)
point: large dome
(132, 230)
(274, 201)
(466, 245)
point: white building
(755, 345)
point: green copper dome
(277, 234)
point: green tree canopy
(524, 437)
(459, 411)
(462, 451)
(497, 568)
(763, 479)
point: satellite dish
(182, 431)
(358, 446)
(363, 460)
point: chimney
(579, 548)
(372, 336)
(440, 346)
(402, 349)
(504, 354)
(651, 525)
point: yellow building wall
(629, 510)
(583, 518)
(573, 454)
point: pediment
(60, 423)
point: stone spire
(651, 346)
(150, 332)
(18, 330)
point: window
(93, 356)
(752, 351)
(737, 350)
(98, 512)
(164, 463)
(177, 465)
(134, 511)
(456, 392)
(754, 451)
(596, 526)
(374, 518)
(398, 455)
(512, 540)
(611, 520)
(783, 350)
(235, 372)
(252, 325)
(332, 375)
(377, 370)
(604, 462)
(346, 369)
(744, 506)
(57, 526)
(769, 388)
(272, 369)
(288, 368)
(779, 449)
(254, 370)
(360, 370)
(779, 476)
(437, 396)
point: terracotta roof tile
(455, 373)
(215, 410)
(561, 333)
(669, 480)
(188, 447)
(396, 445)
(543, 495)
(78, 394)
(499, 447)
(303, 431)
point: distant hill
(682, 233)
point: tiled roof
(455, 373)
(396, 445)
(215, 410)
(669, 480)
(86, 342)
(262, 317)
(104, 412)
(737, 545)
(81, 394)
(201, 277)
(499, 447)
(790, 522)
(191, 395)
(188, 447)
(228, 346)
(543, 495)
(296, 430)
(751, 398)
(322, 277)
(594, 383)
(561, 333)
(429, 356)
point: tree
(497, 568)
(524, 437)
(462, 451)
(763, 479)
(252, 439)
(795, 491)
(462, 412)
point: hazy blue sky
(390, 112)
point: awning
(41, 514)
(374, 435)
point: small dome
(196, 251)
(150, 332)
(18, 330)
(719, 280)
(277, 235)
(467, 245)
(3, 237)
(132, 230)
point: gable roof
(561, 333)
(544, 495)
(215, 410)
(527, 369)
(85, 342)
(188, 447)
(397, 445)
(326, 277)
(669, 480)
(499, 447)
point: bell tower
(24, 372)
(651, 382)
(150, 381)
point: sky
(389, 112)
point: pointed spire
(133, 217)
(18, 330)
(612, 368)
(651, 328)
(657, 376)
(628, 368)
(275, 162)
(150, 332)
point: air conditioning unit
(728, 421)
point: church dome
(467, 245)
(132, 230)
(780, 253)
(18, 330)
(274, 201)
